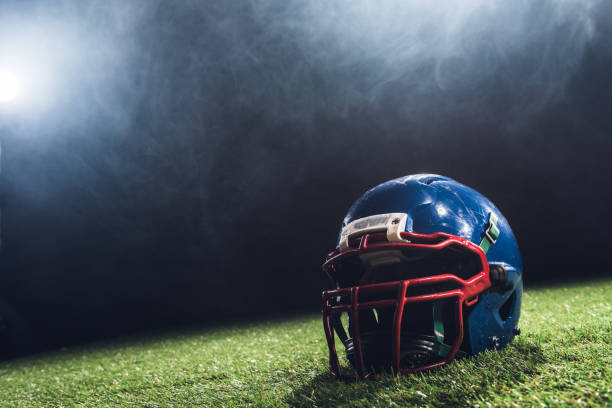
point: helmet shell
(435, 203)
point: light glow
(10, 85)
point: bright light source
(9, 86)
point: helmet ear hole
(506, 309)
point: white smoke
(462, 50)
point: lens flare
(9, 86)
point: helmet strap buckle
(491, 233)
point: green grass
(563, 357)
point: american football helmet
(426, 269)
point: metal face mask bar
(465, 291)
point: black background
(190, 162)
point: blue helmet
(426, 269)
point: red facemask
(405, 300)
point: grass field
(564, 356)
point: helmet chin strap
(336, 322)
(491, 233)
(442, 349)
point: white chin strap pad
(392, 223)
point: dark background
(189, 162)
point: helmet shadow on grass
(461, 382)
